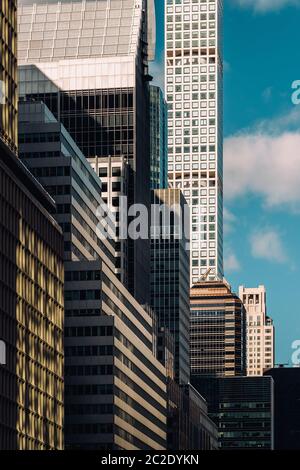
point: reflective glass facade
(286, 407)
(52, 30)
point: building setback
(115, 387)
(286, 407)
(242, 408)
(194, 93)
(260, 330)
(170, 273)
(218, 330)
(89, 64)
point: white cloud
(262, 6)
(265, 161)
(231, 262)
(267, 244)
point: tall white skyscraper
(194, 93)
(260, 330)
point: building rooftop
(51, 30)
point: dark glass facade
(101, 122)
(52, 156)
(242, 408)
(108, 123)
(170, 276)
(286, 407)
(158, 139)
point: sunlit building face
(8, 73)
(193, 86)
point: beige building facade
(260, 330)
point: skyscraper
(170, 274)
(218, 331)
(31, 282)
(8, 74)
(260, 330)
(193, 86)
(158, 139)
(90, 66)
(115, 388)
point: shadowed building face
(2, 353)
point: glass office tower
(193, 86)
(286, 407)
(89, 64)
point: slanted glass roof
(52, 30)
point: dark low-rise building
(286, 407)
(242, 408)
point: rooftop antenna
(205, 276)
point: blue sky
(261, 154)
